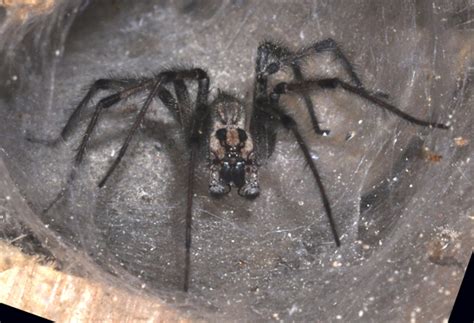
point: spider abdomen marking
(231, 149)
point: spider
(235, 151)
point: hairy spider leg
(262, 123)
(309, 102)
(270, 58)
(101, 84)
(194, 126)
(184, 111)
(181, 106)
(197, 127)
(333, 83)
(163, 77)
(290, 124)
(265, 117)
(327, 45)
(132, 131)
(104, 103)
(195, 130)
(330, 45)
(287, 58)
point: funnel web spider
(235, 152)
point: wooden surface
(43, 291)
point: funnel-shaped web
(401, 195)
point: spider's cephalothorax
(231, 149)
(234, 152)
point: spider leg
(263, 127)
(175, 105)
(180, 105)
(184, 102)
(267, 113)
(163, 77)
(262, 123)
(197, 127)
(333, 83)
(290, 124)
(99, 85)
(132, 131)
(271, 57)
(197, 130)
(309, 103)
(104, 103)
(329, 45)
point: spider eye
(221, 134)
(272, 68)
